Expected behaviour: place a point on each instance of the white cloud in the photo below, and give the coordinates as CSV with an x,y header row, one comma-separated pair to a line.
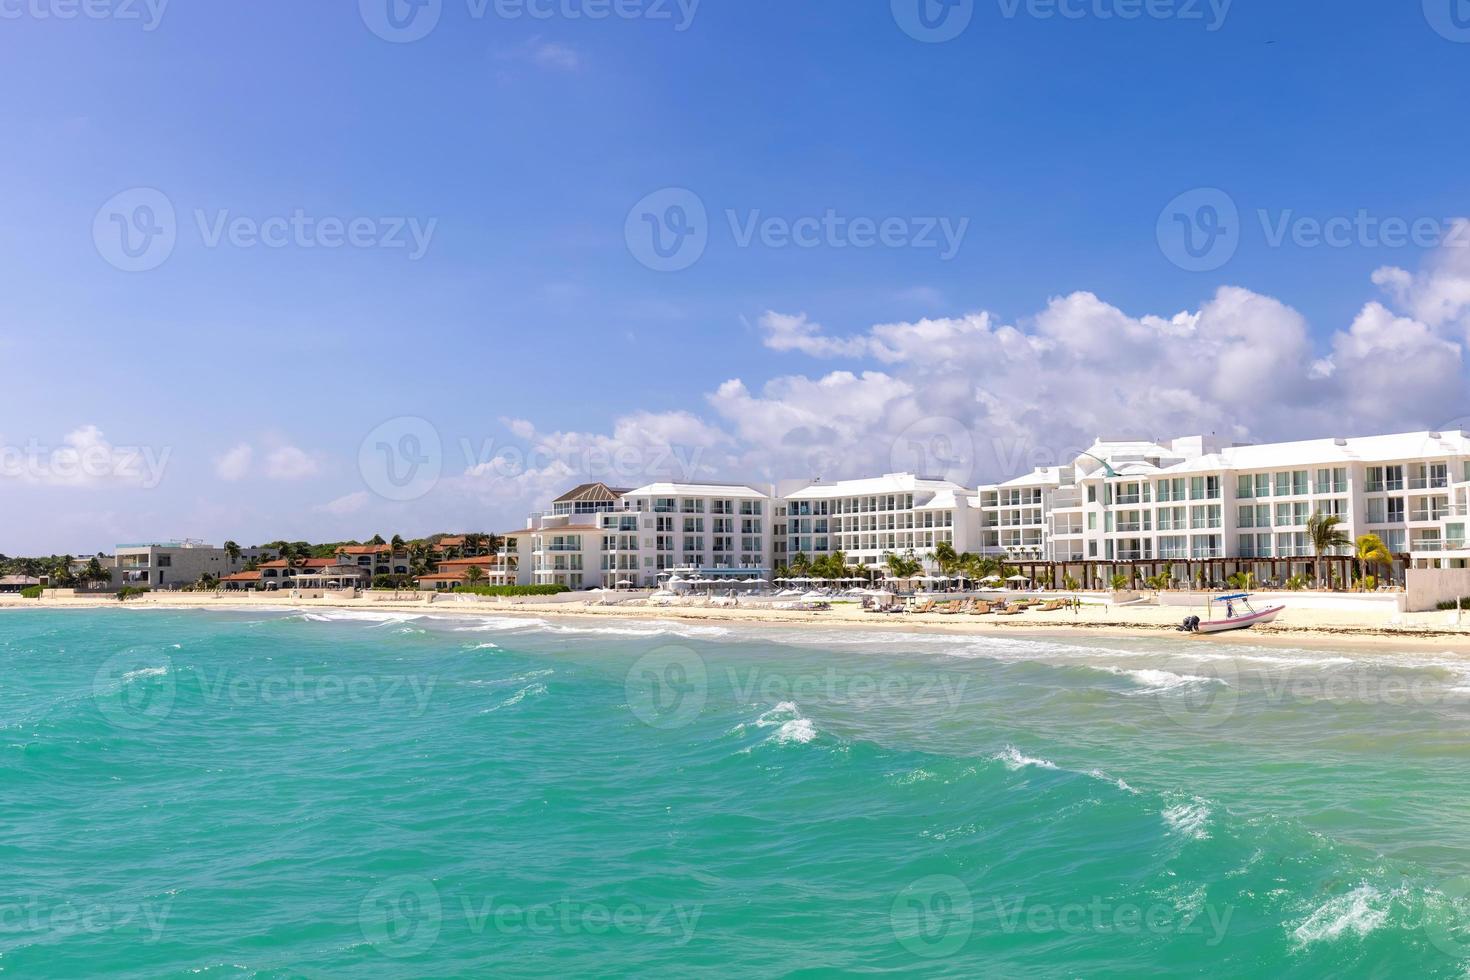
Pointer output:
x,y
548,54
289,463
348,504
235,463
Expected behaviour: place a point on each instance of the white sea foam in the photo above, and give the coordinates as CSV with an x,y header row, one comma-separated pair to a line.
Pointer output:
x,y
1190,819
1158,680
1359,912
531,690
501,624
133,675
486,646
799,730
1014,760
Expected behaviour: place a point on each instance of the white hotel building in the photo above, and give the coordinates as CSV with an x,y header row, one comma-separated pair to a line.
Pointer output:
x,y
1191,505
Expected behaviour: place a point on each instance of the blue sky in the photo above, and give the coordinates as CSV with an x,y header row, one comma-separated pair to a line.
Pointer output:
x,y
517,145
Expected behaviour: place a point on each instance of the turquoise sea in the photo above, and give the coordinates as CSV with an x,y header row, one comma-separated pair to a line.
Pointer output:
x,y
279,794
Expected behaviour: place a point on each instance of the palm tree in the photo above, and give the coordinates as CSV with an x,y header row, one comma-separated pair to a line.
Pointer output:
x,y
233,550
945,557
801,564
1326,537
903,566
397,543
1372,553
474,575
377,540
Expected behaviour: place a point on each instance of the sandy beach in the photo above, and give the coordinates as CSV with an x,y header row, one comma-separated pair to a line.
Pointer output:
x,y
1315,627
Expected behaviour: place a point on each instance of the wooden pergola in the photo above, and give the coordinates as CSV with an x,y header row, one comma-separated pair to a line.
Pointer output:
x,y
1098,573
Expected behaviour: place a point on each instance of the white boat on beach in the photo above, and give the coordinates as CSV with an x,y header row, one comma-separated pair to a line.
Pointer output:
x,y
1239,615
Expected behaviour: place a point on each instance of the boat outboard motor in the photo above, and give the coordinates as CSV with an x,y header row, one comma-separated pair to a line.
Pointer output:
x,y
1190,625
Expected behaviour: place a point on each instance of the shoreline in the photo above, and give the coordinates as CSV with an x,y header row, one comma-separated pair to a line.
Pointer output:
x,y
1313,628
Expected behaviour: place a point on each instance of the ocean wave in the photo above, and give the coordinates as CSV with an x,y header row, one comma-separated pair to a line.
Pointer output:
x,y
501,624
1014,760
639,628
142,672
1359,912
1152,679
531,690
1190,819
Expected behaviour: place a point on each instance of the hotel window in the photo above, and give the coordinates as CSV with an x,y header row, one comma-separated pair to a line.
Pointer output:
x,y
1394,477
1439,475
1196,488
1092,522
1246,517
1283,515
1263,484
1394,540
1375,479
1263,546
1300,513
1283,484
1245,487
1395,510
1299,486
1377,511
1336,507
1091,493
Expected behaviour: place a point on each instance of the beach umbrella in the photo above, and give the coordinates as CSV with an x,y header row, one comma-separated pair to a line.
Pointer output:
x,y
1018,578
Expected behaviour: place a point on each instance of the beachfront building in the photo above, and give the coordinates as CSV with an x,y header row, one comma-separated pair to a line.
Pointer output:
x,y
174,564
720,531
565,542
1197,508
869,518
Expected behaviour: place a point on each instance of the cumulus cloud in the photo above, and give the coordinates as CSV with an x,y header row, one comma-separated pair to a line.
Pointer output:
x,y
281,462
349,504
289,463
234,464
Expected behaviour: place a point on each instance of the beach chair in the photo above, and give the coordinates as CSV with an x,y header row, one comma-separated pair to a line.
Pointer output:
x,y
980,608
925,607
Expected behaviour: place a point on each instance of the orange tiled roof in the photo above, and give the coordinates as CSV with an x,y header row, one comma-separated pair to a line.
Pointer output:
x,y
241,577
363,549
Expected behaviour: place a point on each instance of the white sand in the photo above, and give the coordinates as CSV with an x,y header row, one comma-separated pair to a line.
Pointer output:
x,y
1295,627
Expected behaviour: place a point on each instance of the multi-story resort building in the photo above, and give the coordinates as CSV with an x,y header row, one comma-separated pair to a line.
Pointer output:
x,y
1195,507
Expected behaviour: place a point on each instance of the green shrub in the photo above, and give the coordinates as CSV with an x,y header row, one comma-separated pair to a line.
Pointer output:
x,y
511,590
32,591
1449,604
128,591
